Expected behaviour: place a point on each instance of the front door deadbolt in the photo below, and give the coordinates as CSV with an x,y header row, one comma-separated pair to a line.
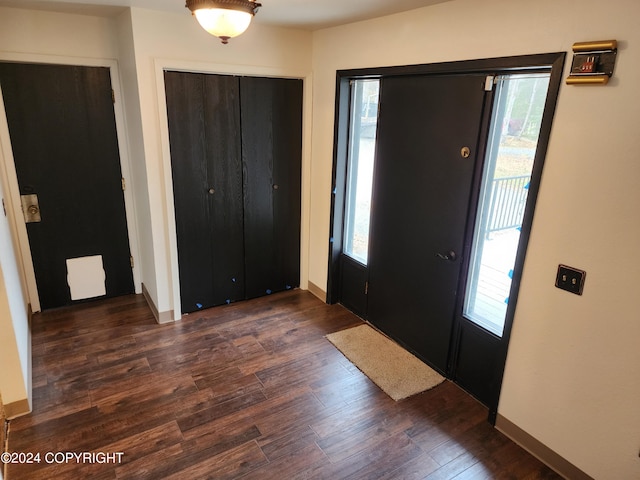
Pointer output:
x,y
465,152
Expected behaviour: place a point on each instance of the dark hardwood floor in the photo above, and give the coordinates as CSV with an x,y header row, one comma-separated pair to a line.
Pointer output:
x,y
248,390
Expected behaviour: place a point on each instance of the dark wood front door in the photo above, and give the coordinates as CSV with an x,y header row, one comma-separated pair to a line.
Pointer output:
x,y
65,146
422,189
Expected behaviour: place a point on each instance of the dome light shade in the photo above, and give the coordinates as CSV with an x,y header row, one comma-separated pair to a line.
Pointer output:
x,y
223,23
224,18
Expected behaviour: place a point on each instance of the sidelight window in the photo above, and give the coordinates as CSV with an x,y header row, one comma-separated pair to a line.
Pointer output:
x,y
362,140
513,139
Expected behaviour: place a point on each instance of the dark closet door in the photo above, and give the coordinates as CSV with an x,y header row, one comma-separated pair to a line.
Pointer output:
x,y
422,189
236,160
204,124
271,112
65,146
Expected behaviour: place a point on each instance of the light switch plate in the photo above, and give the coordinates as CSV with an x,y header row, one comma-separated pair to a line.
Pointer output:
x,y
570,279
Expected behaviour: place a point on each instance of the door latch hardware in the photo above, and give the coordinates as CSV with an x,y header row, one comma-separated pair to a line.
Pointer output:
x,y
450,255
30,208
465,152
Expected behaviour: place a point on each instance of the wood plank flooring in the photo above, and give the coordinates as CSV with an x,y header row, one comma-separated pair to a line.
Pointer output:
x,y
248,390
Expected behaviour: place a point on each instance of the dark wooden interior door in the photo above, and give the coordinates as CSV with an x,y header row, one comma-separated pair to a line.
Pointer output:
x,y
63,135
422,190
204,123
236,145
271,151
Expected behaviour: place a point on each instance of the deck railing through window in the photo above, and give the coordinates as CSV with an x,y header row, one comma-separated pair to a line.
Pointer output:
x,y
508,198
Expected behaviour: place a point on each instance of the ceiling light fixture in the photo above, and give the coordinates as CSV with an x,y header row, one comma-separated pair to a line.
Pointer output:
x,y
224,18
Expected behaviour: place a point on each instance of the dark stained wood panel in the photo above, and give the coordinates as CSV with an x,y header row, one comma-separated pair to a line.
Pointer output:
x,y
353,285
221,97
247,390
204,119
271,153
477,377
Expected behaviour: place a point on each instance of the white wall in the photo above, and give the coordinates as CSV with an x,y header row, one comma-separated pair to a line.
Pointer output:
x,y
573,372
144,261
15,340
25,32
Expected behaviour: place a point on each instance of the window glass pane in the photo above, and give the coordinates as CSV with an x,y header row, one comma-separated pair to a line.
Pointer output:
x,y
362,140
513,140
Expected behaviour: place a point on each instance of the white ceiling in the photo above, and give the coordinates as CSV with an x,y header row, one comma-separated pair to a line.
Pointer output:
x,y
305,14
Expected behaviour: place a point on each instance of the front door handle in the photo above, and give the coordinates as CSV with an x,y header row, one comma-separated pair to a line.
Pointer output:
x,y
450,255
